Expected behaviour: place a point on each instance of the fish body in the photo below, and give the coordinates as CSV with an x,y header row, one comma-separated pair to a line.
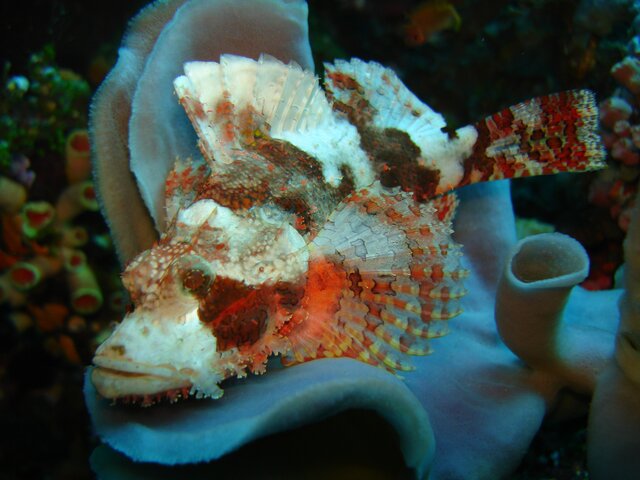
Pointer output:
x,y
428,19
316,224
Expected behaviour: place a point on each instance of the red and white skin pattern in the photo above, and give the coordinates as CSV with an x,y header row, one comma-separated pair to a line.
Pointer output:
x,y
317,224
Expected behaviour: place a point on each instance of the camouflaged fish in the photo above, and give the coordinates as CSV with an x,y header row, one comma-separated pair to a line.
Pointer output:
x,y
317,224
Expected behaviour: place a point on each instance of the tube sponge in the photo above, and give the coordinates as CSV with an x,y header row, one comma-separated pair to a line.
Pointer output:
x,y
614,421
628,339
533,292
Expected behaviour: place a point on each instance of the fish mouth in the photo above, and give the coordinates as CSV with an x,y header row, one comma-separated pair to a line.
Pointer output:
x,y
119,379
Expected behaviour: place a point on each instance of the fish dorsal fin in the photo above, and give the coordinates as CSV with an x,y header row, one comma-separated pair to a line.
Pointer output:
x,y
231,102
199,92
384,277
392,104
375,99
289,98
239,79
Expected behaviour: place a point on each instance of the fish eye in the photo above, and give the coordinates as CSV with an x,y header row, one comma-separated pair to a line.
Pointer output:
x,y
196,281
192,274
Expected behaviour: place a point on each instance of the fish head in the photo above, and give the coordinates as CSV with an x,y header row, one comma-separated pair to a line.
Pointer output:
x,y
205,305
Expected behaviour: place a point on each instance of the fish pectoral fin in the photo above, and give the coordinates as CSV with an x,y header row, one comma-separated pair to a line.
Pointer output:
x,y
385,277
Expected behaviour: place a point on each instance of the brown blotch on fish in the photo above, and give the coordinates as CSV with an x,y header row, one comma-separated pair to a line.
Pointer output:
x,y
288,295
275,171
395,157
354,282
358,110
118,349
345,82
478,161
237,313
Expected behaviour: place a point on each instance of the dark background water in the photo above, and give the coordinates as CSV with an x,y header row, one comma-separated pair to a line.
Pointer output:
x,y
79,29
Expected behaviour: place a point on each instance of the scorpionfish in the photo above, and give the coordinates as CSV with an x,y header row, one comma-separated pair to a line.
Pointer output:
x,y
316,224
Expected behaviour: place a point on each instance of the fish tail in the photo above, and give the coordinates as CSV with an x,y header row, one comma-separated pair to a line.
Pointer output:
x,y
544,135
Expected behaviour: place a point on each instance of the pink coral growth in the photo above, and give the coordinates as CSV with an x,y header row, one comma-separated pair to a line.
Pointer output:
x,y
616,188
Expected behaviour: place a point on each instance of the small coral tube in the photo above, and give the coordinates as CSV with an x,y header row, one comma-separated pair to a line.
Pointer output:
x,y
26,275
78,157
532,294
36,218
73,236
12,195
86,296
74,200
9,294
117,301
21,321
627,72
69,349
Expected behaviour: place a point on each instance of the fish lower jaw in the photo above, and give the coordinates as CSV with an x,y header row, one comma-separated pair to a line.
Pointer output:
x,y
137,387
